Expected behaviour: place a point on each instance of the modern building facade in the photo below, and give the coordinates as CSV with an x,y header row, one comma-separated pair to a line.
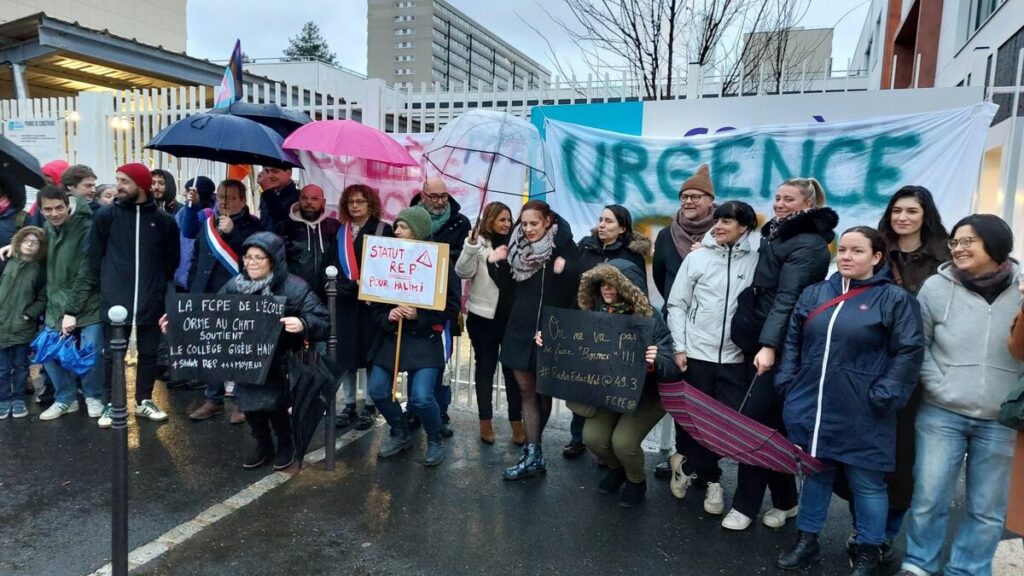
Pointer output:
x,y
936,43
415,41
156,22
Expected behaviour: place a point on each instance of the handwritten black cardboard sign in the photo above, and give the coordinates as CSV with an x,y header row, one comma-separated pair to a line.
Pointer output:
x,y
219,338
593,358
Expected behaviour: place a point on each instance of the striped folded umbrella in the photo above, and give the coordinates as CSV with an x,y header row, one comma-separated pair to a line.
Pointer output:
x,y
730,434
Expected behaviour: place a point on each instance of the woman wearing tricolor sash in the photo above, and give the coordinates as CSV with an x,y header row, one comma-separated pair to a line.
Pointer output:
x,y
360,213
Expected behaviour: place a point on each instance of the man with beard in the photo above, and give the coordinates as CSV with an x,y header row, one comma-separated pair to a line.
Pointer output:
x,y
165,191
134,249
447,226
311,239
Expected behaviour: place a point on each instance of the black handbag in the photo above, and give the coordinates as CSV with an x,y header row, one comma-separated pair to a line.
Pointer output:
x,y
745,329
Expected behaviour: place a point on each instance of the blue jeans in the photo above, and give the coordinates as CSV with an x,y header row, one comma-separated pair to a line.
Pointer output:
x,y
214,392
13,371
92,383
943,438
870,501
421,399
442,393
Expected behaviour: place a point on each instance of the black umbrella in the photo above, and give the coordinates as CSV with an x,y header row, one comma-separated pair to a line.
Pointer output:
x,y
17,164
313,385
284,121
224,138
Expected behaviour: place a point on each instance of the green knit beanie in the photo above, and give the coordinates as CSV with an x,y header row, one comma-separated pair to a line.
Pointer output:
x,y
418,220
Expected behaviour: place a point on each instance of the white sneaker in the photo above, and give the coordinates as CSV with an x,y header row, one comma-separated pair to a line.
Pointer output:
x,y
58,409
106,419
149,409
736,520
94,406
714,500
680,481
776,518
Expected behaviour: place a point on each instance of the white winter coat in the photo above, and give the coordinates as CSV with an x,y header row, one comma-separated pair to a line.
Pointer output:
x,y
472,265
703,299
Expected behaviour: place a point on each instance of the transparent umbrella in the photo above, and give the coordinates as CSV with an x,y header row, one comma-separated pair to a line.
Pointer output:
x,y
507,143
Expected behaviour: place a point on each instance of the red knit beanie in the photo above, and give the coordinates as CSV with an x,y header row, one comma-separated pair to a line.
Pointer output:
x,y
54,169
139,174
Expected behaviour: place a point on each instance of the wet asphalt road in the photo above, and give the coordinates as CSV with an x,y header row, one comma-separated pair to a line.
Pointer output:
x,y
368,517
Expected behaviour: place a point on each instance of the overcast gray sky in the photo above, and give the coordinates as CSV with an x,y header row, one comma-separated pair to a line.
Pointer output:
x,y
264,27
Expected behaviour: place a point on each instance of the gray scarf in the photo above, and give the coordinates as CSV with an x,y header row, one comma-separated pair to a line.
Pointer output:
x,y
246,286
527,257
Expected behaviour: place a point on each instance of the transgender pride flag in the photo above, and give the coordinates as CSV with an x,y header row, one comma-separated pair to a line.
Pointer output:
x,y
231,84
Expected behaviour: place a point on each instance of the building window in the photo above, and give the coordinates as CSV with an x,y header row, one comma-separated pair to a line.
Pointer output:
x,y
403,71
401,45
405,18
979,12
404,31
406,58
407,4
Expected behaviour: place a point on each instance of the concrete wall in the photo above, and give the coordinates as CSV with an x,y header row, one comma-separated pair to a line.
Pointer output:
x,y
154,22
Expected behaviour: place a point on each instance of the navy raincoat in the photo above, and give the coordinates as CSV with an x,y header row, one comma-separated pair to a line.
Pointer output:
x,y
846,372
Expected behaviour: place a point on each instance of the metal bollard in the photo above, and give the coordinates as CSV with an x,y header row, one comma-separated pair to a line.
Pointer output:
x,y
119,430
330,426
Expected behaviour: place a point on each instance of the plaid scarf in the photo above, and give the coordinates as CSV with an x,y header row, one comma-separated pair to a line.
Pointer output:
x,y
527,257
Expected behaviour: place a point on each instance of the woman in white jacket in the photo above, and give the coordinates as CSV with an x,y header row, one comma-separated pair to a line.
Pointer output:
x,y
489,307
700,310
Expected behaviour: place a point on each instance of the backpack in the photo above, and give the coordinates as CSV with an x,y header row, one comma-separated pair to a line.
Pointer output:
x,y
1011,411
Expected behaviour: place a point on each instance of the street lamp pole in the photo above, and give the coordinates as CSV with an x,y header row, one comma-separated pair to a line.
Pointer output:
x,y
119,430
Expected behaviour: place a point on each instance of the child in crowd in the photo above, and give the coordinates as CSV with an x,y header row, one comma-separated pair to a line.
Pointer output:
x,y
22,291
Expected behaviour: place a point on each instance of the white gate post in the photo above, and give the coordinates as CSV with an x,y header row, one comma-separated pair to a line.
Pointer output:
x,y
373,105
94,133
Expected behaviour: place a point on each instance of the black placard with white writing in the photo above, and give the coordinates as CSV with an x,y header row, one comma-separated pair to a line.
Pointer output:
x,y
594,358
217,338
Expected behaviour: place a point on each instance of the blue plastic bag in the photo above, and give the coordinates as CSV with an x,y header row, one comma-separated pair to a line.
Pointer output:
x,y
47,346
79,361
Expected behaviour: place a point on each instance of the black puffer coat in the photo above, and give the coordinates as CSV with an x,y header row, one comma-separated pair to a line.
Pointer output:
x,y
357,329
635,250
792,259
543,288
300,302
274,205
135,249
422,346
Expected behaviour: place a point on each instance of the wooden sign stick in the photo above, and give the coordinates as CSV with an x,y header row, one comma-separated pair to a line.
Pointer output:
x,y
398,351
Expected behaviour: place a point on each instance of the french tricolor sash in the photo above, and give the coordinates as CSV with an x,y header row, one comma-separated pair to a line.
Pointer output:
x,y
220,248
347,254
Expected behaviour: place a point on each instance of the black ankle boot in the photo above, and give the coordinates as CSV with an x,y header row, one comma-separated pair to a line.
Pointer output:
x,y
633,494
612,481
867,560
531,464
801,553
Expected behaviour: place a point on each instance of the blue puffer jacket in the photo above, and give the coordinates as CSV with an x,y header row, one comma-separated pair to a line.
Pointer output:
x,y
845,373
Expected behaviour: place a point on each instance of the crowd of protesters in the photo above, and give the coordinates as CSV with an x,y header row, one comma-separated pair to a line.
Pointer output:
x,y
891,371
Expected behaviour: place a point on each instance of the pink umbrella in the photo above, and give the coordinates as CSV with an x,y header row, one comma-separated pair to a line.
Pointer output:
x,y
349,138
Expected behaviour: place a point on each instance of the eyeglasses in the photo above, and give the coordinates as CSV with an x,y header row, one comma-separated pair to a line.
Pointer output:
x,y
437,197
964,242
31,242
253,258
356,202
691,197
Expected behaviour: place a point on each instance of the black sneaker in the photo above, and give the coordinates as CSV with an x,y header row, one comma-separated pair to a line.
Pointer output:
x,y
259,456
285,457
435,452
446,429
394,444
663,470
